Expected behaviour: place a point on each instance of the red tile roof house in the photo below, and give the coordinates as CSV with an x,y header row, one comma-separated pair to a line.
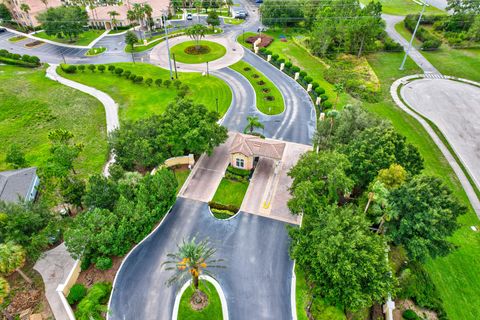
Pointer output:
x,y
99,15
245,148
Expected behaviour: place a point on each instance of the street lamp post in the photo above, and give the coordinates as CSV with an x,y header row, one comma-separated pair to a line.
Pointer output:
x,y
216,102
168,47
424,4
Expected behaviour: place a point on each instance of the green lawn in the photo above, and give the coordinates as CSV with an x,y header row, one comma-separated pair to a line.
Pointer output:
x,y
403,7
139,101
233,21
152,42
17,38
275,106
216,51
230,192
213,311
181,175
95,51
462,63
455,275
83,39
31,106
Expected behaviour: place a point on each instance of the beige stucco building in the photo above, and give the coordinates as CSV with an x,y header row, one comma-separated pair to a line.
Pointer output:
x,y
245,148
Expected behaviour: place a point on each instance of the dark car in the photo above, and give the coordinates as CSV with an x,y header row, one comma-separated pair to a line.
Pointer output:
x,y
3,30
189,16
258,1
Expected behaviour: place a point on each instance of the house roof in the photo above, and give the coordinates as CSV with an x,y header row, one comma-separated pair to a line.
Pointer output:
x,y
249,146
17,184
159,8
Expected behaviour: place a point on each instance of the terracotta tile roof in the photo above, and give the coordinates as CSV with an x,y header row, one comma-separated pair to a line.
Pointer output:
x,y
249,146
159,7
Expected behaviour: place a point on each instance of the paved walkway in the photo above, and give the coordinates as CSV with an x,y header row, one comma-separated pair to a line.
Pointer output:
x,y
159,54
54,267
475,202
416,56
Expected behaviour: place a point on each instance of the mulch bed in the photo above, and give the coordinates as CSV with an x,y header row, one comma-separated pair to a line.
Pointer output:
x,y
265,42
92,275
34,43
197,50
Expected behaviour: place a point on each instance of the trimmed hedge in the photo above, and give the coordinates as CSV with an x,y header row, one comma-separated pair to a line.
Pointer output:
x,y
19,60
238,172
219,206
77,293
103,263
91,306
222,214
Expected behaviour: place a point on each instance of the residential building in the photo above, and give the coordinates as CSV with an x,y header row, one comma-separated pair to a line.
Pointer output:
x,y
18,185
246,149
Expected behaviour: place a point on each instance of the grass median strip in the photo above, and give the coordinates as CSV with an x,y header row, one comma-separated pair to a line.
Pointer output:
x,y
269,99
83,39
138,100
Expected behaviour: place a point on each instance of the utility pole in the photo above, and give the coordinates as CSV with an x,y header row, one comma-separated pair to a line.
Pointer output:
x,y
424,5
168,47
175,65
63,57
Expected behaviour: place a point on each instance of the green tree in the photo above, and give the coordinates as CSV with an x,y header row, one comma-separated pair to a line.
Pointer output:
x,y
464,6
113,14
63,153
12,258
341,256
393,177
192,259
16,157
72,190
65,21
101,192
338,88
4,289
281,13
131,39
5,14
25,8
424,215
213,19
196,33
253,122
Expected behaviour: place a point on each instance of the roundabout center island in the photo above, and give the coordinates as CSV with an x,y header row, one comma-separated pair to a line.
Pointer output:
x,y
194,52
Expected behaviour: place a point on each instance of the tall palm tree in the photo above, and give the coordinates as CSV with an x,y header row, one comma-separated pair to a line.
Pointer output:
x,y
112,15
190,261
45,3
139,13
338,88
253,122
26,9
131,16
4,289
12,258
147,10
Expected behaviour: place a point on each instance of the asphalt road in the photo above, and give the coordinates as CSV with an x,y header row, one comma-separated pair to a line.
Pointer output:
x,y
455,108
256,280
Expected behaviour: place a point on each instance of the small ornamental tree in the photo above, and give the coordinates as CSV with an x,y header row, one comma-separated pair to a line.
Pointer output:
x,y
132,77
81,68
101,68
177,84
127,73
12,258
138,79
91,67
148,81
158,82
118,71
16,157
111,68
167,83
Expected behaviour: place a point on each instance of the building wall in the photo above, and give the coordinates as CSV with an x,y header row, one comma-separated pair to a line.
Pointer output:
x,y
248,160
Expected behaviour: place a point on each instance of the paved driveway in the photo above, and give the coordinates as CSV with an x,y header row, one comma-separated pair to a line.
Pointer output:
x,y
455,108
256,280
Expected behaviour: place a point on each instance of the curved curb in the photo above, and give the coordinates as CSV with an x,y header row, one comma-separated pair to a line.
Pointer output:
x,y
293,293
231,218
217,286
468,188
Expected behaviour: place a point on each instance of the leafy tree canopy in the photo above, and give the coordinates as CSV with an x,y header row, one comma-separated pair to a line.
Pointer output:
x,y
67,21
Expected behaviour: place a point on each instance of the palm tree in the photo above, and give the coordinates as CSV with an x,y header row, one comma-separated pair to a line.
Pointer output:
x,y
26,9
253,123
196,33
191,260
147,10
45,3
131,16
229,4
4,289
139,14
12,258
112,15
332,114
337,88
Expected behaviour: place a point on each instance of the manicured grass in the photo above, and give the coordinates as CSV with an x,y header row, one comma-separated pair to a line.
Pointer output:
x,y
17,38
403,7
32,105
181,175
112,31
244,36
455,275
213,311
152,42
83,39
275,106
230,192
462,63
233,21
139,101
95,51
181,55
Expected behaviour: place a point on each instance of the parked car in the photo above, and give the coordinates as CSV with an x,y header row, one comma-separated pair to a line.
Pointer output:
x,y
3,30
258,1
189,16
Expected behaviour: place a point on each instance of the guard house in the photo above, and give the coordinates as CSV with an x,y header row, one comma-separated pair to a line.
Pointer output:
x,y
246,149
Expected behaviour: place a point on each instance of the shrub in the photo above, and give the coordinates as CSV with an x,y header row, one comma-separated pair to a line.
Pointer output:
x,y
91,67
281,60
111,68
319,91
222,214
288,65
148,81
90,306
238,172
81,67
303,74
158,82
391,45
410,315
268,52
327,105
101,68
77,293
219,206
308,79
118,71
315,85
167,83
275,57
177,83
127,73
324,97
431,44
295,69
138,79
132,76
103,263
247,69
261,83
70,69
234,177
35,59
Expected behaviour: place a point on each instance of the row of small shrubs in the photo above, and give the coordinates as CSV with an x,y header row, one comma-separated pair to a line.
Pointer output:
x,y
219,206
430,42
127,74
239,172
18,59
304,79
234,177
222,214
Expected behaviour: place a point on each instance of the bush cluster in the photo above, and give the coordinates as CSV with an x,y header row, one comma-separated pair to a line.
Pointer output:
x,y
91,306
77,293
219,206
19,60
219,213
239,172
103,263
430,42
410,315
